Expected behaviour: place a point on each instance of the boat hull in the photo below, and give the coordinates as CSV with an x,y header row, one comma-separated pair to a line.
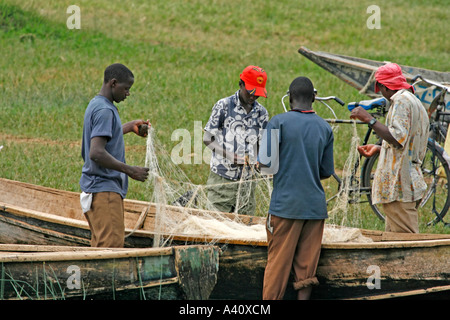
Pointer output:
x,y
406,262
377,270
383,270
55,272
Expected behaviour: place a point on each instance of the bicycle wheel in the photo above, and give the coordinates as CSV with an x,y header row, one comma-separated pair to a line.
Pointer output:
x,y
436,172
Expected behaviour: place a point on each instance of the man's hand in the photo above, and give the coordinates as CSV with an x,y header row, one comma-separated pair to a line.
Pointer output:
x,y
137,173
139,127
381,130
143,130
369,150
361,114
102,157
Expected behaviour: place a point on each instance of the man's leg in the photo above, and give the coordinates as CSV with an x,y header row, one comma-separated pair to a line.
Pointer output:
x,y
247,202
282,242
307,257
106,220
221,193
401,217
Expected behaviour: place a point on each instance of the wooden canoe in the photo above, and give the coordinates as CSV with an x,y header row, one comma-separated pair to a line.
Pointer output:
x,y
394,265
31,214
63,272
359,73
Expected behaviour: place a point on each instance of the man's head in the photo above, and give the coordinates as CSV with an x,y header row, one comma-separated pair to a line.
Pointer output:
x,y
253,84
390,79
301,93
119,80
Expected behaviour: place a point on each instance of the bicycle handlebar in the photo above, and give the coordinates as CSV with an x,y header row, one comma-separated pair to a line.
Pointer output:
x,y
331,98
321,99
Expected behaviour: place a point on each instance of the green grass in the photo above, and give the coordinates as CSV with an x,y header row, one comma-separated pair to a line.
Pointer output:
x,y
185,56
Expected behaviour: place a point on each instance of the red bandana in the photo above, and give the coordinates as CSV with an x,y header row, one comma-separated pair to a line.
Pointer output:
x,y
391,76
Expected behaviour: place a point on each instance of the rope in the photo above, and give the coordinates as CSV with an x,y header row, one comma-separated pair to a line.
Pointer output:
x,y
368,83
140,221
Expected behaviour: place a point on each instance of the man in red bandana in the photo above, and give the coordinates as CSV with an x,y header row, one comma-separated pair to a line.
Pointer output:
x,y
398,182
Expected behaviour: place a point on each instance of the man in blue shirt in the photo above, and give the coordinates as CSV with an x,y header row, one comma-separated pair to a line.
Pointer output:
x,y
233,132
104,177
297,148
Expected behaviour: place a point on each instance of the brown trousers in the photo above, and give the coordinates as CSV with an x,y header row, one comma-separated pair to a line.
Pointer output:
x,y
106,220
292,245
401,216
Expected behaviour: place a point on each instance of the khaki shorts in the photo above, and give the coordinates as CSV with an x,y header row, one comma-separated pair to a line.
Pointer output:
x,y
293,245
401,216
106,220
223,194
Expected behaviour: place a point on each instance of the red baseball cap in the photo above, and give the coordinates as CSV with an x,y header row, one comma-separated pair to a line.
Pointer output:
x,y
255,79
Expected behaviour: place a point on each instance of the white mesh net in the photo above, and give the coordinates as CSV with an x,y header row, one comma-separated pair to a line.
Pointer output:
x,y
169,187
346,209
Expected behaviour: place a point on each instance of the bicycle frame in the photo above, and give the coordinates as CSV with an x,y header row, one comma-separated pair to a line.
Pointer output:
x,y
438,133
378,112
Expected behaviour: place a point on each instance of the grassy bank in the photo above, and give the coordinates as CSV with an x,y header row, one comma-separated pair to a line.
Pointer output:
x,y
185,56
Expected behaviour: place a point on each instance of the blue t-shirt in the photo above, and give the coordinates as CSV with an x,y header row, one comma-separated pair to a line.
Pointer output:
x,y
298,148
101,119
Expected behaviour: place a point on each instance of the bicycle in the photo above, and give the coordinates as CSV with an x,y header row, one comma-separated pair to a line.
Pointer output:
x,y
435,166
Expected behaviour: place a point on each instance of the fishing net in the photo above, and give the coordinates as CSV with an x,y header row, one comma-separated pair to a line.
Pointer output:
x,y
195,215
183,208
345,210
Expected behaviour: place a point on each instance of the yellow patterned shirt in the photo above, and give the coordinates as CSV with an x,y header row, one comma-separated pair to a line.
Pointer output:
x,y
398,176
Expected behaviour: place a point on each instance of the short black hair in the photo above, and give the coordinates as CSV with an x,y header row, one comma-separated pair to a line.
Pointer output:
x,y
301,89
118,71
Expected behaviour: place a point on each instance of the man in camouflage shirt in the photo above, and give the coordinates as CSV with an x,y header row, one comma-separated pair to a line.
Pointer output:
x,y
232,133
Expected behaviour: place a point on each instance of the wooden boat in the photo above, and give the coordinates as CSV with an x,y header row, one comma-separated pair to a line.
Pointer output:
x,y
63,272
32,214
359,73
393,265
55,272
38,215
